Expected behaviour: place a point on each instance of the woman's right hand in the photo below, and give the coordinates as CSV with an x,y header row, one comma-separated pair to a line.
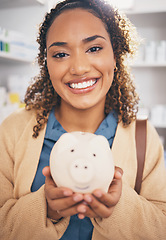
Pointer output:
x,y
61,202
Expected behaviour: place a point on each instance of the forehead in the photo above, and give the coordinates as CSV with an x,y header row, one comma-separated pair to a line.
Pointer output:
x,y
76,22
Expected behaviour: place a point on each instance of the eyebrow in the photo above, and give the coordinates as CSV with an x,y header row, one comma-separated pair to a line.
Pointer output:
x,y
92,38
86,40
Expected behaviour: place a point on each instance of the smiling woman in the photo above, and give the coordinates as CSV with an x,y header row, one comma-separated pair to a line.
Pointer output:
x,y
79,49
84,85
81,68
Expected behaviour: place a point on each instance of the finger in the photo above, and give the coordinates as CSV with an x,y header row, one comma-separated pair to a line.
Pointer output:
x,y
118,173
73,209
98,208
46,171
65,202
116,183
85,211
104,198
82,209
51,187
54,192
109,199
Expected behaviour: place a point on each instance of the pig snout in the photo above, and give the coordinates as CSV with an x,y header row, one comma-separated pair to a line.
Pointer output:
x,y
81,171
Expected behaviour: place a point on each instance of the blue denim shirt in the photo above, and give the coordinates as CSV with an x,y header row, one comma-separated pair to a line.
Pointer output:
x,y
77,229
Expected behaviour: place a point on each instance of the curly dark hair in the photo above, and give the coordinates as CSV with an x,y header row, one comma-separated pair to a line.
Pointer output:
x,y
122,96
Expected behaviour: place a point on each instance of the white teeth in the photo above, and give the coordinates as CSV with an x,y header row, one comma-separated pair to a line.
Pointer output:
x,y
82,84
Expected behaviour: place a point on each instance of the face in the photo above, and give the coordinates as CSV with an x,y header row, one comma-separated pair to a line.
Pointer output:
x,y
80,59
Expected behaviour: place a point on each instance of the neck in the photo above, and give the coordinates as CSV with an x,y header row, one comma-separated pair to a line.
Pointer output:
x,y
80,120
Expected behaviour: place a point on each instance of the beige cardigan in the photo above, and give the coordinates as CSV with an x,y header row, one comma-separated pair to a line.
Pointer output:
x,y
23,215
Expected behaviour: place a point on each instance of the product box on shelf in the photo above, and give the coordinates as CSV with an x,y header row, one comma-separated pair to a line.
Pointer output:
x,y
152,53
17,45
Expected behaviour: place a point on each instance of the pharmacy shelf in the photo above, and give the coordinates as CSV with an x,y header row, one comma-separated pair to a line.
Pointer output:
x,y
20,3
145,11
8,57
159,125
150,64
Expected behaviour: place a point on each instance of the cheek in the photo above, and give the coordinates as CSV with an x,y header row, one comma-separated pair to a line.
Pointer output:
x,y
107,63
53,70
109,66
108,72
56,73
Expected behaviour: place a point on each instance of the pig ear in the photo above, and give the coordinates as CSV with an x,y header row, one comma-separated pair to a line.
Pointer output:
x,y
66,141
101,141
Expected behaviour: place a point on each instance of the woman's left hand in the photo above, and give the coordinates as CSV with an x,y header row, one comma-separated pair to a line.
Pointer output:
x,y
99,203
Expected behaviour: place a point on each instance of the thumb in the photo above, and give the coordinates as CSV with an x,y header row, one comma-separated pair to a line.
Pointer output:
x,y
46,171
118,173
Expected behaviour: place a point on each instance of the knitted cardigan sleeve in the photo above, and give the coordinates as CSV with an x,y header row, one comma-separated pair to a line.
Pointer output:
x,y
25,217
140,216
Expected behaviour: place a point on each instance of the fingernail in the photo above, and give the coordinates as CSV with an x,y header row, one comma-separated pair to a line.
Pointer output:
x,y
87,198
77,198
118,174
98,194
81,209
67,193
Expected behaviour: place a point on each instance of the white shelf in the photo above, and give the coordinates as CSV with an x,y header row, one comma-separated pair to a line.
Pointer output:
x,y
20,3
159,125
8,57
145,11
146,64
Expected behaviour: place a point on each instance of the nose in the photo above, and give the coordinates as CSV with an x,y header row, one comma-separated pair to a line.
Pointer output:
x,y
81,171
80,64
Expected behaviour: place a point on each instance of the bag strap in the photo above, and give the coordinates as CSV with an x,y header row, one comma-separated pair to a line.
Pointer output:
x,y
140,137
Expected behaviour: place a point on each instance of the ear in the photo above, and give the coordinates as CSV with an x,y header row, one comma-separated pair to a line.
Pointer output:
x,y
101,141
114,62
66,141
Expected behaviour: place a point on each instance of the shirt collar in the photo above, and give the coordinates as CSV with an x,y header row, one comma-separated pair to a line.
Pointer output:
x,y
107,128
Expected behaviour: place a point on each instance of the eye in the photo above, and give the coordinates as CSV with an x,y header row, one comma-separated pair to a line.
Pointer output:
x,y
94,49
94,154
61,55
72,150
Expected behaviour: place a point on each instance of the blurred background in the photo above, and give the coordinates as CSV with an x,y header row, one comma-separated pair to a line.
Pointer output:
x,y
19,21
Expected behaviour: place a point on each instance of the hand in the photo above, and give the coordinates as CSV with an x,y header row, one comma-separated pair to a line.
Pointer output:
x,y
61,201
99,203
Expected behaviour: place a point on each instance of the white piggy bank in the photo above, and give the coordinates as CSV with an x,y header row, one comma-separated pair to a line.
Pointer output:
x,y
82,162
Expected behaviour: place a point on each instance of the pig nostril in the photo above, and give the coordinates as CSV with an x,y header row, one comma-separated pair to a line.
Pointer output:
x,y
76,166
86,167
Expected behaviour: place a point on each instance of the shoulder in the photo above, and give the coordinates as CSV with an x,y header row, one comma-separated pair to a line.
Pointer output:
x,y
19,117
124,132
154,145
18,122
128,133
151,131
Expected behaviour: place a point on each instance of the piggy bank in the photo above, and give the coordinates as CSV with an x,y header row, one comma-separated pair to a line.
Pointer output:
x,y
82,162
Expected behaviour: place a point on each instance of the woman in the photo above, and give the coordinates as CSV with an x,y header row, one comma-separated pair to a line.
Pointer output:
x,y
83,85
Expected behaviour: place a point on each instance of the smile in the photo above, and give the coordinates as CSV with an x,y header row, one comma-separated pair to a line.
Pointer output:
x,y
82,85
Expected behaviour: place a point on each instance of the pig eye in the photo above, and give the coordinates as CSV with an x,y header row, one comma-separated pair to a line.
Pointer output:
x,y
94,154
72,150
